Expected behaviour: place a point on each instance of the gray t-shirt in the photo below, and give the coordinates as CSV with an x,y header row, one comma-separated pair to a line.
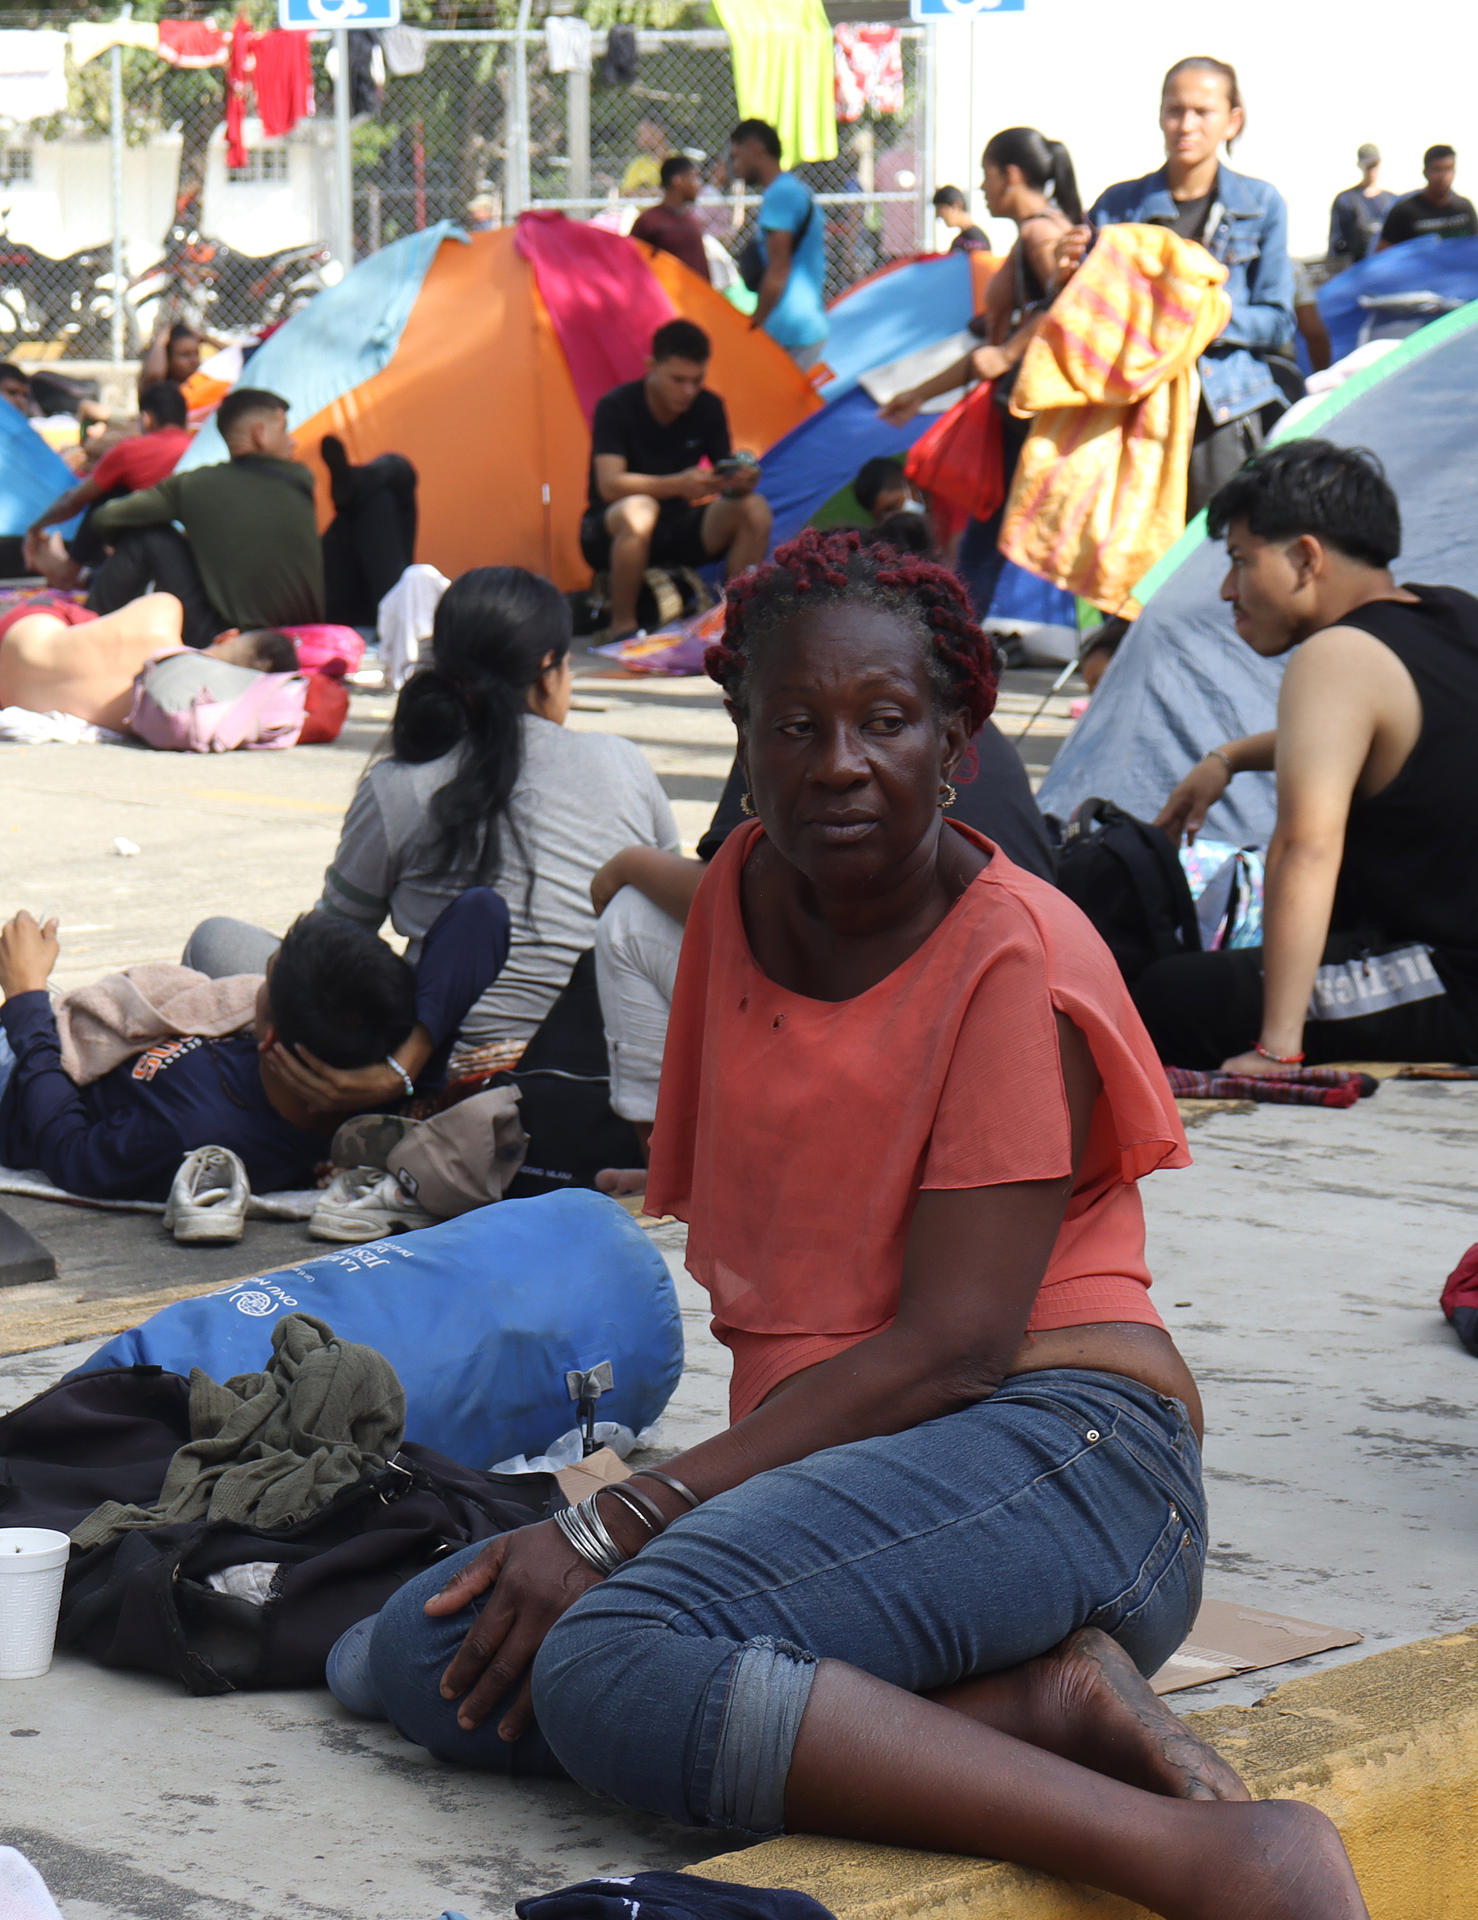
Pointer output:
x,y
580,798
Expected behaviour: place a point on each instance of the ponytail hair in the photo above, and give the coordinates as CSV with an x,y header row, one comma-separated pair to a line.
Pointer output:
x,y
1223,70
1045,164
495,628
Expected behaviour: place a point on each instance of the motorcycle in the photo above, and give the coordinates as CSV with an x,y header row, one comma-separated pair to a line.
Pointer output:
x,y
224,290
46,299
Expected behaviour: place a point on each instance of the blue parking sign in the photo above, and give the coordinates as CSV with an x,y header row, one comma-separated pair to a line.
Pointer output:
x,y
338,13
962,9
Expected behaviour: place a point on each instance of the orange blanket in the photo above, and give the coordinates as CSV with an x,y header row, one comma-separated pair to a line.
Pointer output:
x,y
1110,383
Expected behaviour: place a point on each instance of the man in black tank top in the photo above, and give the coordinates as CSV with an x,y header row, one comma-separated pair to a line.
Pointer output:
x,y
1370,918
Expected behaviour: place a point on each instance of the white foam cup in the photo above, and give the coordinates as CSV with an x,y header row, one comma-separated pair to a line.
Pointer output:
x,y
33,1565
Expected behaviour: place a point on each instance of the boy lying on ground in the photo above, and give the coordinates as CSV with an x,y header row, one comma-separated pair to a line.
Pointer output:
x,y
64,659
331,988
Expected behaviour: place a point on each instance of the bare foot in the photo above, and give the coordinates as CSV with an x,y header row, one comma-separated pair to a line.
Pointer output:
x,y
617,1181
1281,1861
45,554
1087,1702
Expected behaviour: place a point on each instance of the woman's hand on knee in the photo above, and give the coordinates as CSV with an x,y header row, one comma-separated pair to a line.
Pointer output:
x,y
535,1576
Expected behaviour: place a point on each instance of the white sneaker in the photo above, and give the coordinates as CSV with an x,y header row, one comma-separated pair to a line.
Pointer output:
x,y
364,1203
207,1201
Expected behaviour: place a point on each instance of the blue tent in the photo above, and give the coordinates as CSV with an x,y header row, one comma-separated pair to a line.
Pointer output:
x,y
1183,681
31,475
1445,268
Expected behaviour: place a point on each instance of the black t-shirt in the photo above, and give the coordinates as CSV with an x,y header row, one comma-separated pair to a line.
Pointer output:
x,y
1190,216
624,424
1415,217
969,240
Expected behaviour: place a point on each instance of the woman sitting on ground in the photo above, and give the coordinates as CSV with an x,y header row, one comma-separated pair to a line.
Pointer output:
x,y
905,1107
484,785
643,896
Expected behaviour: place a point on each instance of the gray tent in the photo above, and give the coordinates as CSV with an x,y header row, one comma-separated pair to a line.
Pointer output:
x,y
1183,681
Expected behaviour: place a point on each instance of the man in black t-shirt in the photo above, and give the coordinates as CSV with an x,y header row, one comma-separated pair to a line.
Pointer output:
x,y
952,210
1435,210
665,486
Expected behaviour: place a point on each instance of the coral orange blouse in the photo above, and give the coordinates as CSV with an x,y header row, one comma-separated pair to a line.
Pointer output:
x,y
794,1135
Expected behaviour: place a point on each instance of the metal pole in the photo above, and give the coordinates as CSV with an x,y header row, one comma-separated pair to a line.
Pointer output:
x,y
343,156
929,81
115,88
517,184
577,135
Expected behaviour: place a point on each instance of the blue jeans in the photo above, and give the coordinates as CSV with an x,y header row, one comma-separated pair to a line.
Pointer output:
x,y
964,1546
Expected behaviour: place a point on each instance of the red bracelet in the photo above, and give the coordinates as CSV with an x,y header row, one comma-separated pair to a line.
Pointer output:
x,y
1279,1059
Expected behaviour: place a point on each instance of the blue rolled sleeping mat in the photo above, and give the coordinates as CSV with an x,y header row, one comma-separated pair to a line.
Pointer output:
x,y
481,1317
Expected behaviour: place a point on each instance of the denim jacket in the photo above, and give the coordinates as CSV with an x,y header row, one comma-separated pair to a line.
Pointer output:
x,y
1250,239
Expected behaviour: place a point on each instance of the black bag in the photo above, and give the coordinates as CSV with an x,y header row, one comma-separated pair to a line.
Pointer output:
x,y
564,1079
1125,875
751,262
143,1601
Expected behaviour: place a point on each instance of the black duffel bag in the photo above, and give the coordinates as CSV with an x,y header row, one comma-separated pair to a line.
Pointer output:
x,y
143,1600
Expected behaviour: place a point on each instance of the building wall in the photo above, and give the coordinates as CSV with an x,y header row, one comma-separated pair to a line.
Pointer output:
x,y
67,202
1317,80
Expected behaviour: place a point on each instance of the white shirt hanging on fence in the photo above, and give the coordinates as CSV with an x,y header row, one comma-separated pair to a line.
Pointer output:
x,y
33,73
567,43
89,38
404,49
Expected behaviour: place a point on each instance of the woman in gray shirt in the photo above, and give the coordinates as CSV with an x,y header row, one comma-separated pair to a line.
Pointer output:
x,y
485,786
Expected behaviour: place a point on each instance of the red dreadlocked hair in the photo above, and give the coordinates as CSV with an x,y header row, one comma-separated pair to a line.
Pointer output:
x,y
817,567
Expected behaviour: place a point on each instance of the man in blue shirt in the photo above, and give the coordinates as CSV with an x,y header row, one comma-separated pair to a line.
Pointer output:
x,y
332,989
792,291
1359,213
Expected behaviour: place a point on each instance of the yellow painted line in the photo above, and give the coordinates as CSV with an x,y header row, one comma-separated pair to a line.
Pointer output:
x,y
267,800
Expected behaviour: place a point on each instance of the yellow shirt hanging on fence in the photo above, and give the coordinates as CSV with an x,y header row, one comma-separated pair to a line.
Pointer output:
x,y
1110,383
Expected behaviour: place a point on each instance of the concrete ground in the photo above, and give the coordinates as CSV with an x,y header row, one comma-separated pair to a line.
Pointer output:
x,y
1298,1261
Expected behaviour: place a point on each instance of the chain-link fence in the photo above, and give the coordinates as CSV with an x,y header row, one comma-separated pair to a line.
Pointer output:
x,y
119,210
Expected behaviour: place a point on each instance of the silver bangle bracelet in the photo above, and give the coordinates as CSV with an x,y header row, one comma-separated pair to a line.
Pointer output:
x,y
405,1079
1215,753
587,1533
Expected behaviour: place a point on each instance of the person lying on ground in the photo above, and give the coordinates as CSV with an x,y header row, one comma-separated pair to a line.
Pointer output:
x,y
643,896
665,488
910,1594
671,226
483,784
130,466
65,659
1377,789
331,988
249,555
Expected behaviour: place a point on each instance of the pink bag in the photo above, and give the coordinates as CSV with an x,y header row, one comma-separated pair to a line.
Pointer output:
x,y
194,703
323,648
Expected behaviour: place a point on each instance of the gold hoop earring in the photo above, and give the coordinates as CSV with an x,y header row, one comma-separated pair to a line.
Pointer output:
x,y
947,795
746,806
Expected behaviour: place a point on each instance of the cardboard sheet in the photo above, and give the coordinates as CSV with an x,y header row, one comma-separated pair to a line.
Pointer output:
x,y
1228,1639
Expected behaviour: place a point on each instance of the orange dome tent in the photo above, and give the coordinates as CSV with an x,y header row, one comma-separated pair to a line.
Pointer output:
x,y
486,384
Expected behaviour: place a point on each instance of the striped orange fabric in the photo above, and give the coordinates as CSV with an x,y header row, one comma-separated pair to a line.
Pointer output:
x,y
1110,383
